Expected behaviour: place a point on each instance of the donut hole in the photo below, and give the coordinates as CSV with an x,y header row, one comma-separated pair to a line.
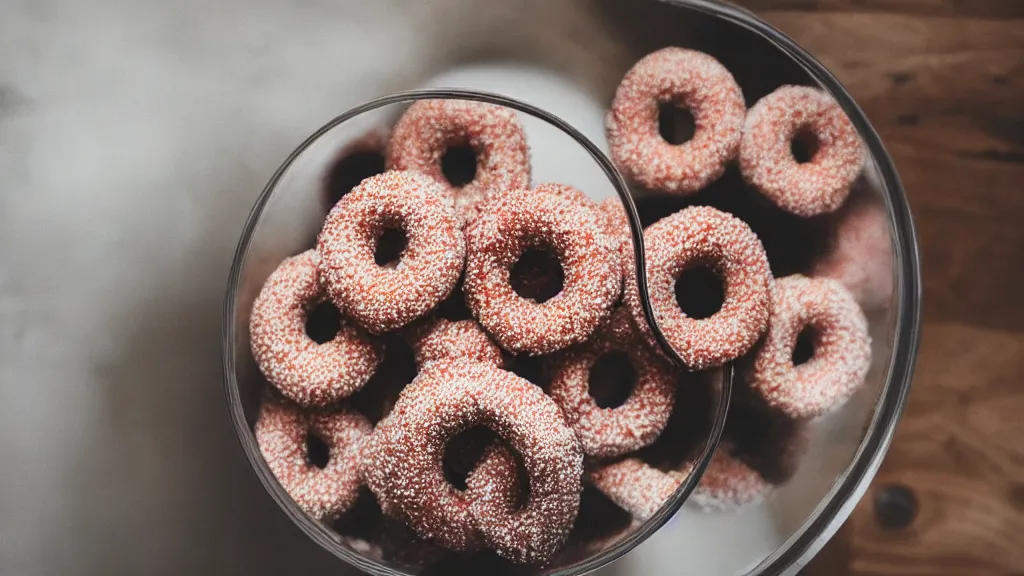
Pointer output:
x,y
458,164
803,351
391,244
537,275
323,322
349,170
804,146
676,124
462,453
317,452
699,292
611,379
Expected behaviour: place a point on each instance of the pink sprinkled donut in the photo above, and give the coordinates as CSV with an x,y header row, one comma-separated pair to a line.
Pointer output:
x,y
842,348
509,225
429,127
608,432
403,462
767,162
688,79
439,340
727,483
310,374
384,298
860,253
634,486
704,236
323,493
642,489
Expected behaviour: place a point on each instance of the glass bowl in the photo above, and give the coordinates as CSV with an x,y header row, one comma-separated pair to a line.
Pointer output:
x,y
285,221
567,58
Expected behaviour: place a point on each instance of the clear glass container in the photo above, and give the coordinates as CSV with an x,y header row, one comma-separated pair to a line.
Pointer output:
x,y
285,222
536,53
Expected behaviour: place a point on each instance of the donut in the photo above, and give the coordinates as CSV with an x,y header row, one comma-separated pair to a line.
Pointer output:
x,y
616,226
842,348
635,486
860,253
608,432
439,340
382,298
766,158
704,236
323,493
505,228
403,462
642,489
727,483
430,127
685,78
308,373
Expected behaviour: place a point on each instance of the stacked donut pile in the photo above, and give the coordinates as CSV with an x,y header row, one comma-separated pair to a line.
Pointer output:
x,y
523,483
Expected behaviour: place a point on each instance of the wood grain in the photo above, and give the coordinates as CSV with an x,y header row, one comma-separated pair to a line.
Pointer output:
x,y
943,83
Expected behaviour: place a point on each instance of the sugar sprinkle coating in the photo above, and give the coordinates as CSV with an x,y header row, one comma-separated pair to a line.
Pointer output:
x,y
685,78
609,432
281,433
767,162
616,226
704,236
417,422
384,298
438,340
842,348
860,254
727,483
502,232
642,489
308,373
635,486
403,462
430,127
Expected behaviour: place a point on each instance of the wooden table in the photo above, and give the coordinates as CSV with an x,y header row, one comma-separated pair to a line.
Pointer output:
x,y
943,82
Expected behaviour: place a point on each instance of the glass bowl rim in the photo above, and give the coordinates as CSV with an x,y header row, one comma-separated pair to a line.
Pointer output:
x,y
315,530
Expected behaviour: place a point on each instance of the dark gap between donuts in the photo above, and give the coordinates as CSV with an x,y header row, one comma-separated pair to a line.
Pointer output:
x,y
688,426
391,243
463,452
458,164
612,379
792,242
364,520
477,562
537,275
317,452
323,322
699,292
676,124
348,171
804,146
396,370
532,368
804,349
763,437
454,308
598,518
